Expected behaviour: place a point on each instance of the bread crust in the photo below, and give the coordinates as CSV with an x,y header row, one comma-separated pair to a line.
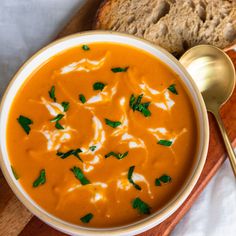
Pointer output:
x,y
174,25
104,5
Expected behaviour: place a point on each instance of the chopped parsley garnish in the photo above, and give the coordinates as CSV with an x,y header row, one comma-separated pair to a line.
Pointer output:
x,y
173,89
119,156
14,173
79,175
132,101
52,93
57,119
157,182
142,207
98,86
130,173
25,123
86,218
92,148
59,126
113,124
85,47
162,179
136,105
166,143
82,98
74,152
65,105
119,69
41,179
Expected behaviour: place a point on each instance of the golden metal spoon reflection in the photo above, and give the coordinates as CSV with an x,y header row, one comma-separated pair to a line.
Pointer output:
x,y
214,74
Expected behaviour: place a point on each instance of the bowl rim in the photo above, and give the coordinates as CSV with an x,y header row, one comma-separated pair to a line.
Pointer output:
x,y
146,223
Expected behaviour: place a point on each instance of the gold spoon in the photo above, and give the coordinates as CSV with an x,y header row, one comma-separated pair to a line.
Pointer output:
x,y
214,74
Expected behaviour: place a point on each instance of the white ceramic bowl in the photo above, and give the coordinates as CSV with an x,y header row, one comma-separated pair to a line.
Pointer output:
x,y
87,38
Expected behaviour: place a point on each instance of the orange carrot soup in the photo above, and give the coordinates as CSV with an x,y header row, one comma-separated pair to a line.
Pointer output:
x,y
102,135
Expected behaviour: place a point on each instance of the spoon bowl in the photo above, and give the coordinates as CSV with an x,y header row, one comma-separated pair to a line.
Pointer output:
x,y
214,73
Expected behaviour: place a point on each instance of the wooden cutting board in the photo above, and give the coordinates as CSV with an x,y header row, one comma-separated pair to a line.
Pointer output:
x,y
15,219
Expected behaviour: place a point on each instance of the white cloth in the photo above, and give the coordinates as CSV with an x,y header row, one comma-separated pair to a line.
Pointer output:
x,y
26,26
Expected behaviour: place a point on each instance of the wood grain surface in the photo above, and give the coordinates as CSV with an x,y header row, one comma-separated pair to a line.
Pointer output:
x,y
15,219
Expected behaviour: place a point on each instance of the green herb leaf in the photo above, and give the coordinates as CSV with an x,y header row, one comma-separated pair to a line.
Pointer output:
x,y
157,182
136,105
41,179
98,86
65,105
166,143
92,148
82,98
85,47
86,218
119,69
14,173
57,119
130,173
79,175
74,152
58,125
162,179
143,108
132,101
165,179
113,124
25,123
173,89
138,101
52,93
142,207
119,156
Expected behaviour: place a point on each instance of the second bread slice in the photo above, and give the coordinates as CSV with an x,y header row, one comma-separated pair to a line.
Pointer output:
x,y
176,25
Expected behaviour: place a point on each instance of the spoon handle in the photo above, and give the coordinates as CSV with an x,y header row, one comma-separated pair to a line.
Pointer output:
x,y
229,148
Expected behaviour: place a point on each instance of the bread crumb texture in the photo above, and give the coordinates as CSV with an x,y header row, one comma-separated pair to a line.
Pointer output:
x,y
175,25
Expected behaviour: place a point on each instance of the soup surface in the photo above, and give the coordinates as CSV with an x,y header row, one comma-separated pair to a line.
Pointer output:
x,y
102,135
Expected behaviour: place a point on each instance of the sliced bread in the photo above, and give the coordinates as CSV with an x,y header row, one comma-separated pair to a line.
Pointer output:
x,y
176,25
